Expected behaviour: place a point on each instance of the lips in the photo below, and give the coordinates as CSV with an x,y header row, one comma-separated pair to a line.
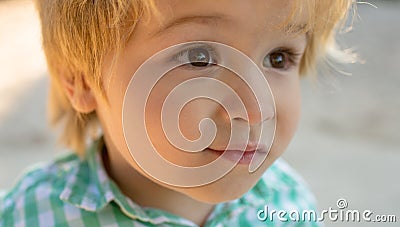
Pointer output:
x,y
243,155
239,147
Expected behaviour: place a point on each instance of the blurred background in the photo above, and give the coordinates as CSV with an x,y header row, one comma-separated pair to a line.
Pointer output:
x,y
347,145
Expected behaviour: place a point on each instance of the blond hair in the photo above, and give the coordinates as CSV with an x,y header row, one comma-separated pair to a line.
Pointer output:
x,y
77,35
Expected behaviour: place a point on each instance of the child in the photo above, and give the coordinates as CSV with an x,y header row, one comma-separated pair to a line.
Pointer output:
x,y
94,48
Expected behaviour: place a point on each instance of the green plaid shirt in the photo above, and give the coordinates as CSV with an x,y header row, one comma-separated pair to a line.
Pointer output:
x,y
75,192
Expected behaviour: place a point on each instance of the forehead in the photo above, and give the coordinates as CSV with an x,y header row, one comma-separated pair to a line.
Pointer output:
x,y
263,14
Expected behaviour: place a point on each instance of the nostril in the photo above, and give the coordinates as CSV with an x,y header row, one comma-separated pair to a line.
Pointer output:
x,y
257,116
268,114
247,107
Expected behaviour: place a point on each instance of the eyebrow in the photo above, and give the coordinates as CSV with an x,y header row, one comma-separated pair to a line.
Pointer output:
x,y
294,29
214,21
207,20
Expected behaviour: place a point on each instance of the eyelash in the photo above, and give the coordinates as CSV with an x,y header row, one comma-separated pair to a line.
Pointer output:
x,y
293,58
187,64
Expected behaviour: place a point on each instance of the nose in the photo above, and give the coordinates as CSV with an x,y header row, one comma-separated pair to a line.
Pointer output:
x,y
250,85
249,107
251,99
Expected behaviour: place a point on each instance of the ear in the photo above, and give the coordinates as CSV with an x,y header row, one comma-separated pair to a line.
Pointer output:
x,y
79,94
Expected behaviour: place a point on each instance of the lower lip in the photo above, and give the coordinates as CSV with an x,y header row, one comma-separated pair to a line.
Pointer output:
x,y
234,155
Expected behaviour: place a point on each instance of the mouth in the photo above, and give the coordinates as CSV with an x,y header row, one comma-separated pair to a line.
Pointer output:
x,y
244,156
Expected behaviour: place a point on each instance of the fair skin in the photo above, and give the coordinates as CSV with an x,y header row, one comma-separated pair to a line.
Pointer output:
x,y
250,28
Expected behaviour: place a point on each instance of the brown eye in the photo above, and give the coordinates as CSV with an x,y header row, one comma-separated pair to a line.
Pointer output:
x,y
199,57
277,60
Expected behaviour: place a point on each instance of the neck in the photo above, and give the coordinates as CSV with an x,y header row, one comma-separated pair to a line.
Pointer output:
x,y
147,193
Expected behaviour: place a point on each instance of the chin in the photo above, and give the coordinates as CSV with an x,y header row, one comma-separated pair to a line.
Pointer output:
x,y
220,191
215,197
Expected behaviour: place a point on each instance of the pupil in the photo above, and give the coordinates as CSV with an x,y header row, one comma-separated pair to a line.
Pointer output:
x,y
277,60
199,57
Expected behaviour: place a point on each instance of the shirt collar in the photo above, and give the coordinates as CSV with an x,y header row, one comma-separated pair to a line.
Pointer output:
x,y
88,187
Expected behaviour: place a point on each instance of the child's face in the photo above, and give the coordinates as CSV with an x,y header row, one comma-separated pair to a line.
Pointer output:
x,y
252,28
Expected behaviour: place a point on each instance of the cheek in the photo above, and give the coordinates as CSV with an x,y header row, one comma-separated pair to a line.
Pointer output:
x,y
288,106
110,111
110,116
